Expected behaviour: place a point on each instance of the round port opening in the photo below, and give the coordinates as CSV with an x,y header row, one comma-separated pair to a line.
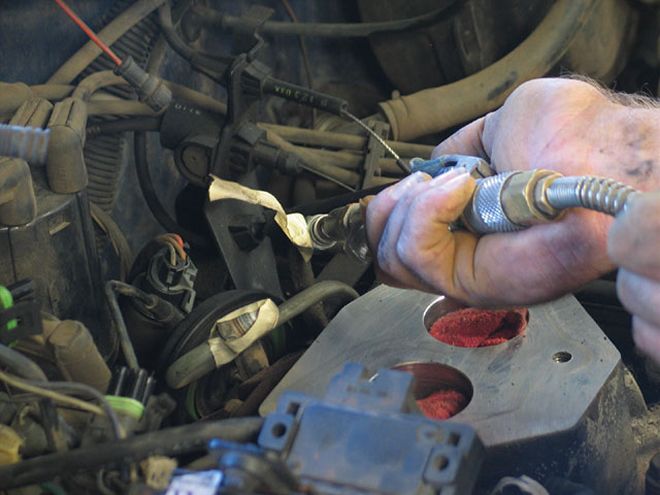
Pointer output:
x,y
562,357
454,324
439,390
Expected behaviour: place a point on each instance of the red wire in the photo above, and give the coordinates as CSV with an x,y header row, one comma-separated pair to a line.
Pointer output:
x,y
92,35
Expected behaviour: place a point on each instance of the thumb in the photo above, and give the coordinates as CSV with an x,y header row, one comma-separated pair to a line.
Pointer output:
x,y
466,141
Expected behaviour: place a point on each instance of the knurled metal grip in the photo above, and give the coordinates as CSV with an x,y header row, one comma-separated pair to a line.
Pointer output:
x,y
484,213
511,201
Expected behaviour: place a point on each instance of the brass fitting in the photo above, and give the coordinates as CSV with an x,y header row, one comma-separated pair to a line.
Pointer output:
x,y
510,201
524,200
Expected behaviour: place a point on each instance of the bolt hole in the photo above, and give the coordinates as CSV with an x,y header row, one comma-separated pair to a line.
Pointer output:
x,y
453,439
278,430
441,463
293,408
562,357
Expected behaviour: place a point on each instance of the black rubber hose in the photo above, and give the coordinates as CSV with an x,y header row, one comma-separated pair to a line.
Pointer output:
x,y
111,287
337,201
194,329
313,294
151,196
169,442
20,365
117,238
209,17
123,125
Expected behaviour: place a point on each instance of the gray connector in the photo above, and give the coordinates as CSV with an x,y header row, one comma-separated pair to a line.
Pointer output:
x,y
476,167
65,165
18,205
150,89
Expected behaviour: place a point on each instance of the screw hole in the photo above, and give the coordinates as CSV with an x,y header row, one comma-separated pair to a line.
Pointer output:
x,y
293,408
562,357
278,430
441,463
453,439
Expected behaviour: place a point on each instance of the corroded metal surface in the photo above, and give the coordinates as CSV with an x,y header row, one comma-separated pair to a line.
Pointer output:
x,y
549,401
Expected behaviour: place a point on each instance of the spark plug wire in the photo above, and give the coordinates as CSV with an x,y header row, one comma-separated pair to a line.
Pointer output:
x,y
88,31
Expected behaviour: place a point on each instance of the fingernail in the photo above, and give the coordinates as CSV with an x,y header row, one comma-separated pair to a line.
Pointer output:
x,y
417,177
448,176
459,179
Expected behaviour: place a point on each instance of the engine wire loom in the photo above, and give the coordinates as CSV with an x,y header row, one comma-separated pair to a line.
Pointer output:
x,y
338,442
121,372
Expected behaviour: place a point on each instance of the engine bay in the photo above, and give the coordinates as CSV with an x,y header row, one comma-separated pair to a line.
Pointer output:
x,y
175,317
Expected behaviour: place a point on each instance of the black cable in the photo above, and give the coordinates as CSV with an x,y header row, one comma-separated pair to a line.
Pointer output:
x,y
124,339
117,238
151,196
328,204
20,365
212,18
168,442
123,125
304,96
82,390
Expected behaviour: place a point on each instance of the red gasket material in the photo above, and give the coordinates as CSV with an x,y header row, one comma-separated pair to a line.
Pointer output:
x,y
472,327
442,404
469,328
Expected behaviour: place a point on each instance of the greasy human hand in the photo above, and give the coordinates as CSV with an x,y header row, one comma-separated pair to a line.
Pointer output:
x,y
558,124
633,245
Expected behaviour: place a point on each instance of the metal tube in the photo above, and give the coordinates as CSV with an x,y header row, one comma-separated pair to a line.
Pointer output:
x,y
595,193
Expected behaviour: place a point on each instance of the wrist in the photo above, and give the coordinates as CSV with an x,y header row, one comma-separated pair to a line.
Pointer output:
x,y
630,150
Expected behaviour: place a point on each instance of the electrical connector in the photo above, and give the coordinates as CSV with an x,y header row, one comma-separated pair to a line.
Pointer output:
x,y
172,282
150,89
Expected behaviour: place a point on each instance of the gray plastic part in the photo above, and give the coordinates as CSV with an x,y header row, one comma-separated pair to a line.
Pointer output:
x,y
65,164
12,96
150,89
18,205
